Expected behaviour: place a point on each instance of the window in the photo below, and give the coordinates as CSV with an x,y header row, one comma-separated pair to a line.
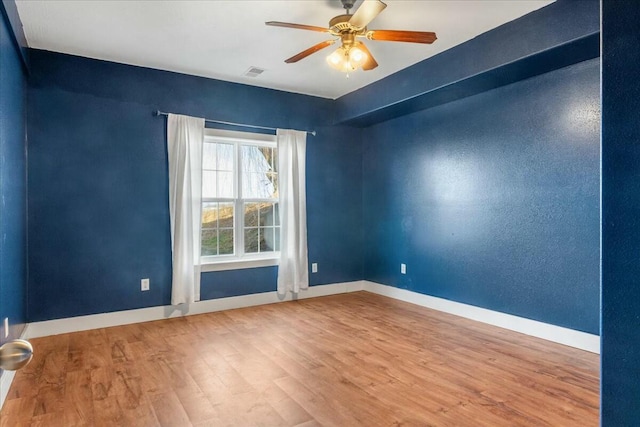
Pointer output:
x,y
240,221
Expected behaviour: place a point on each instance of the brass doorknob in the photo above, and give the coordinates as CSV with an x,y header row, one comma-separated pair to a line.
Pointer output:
x,y
15,354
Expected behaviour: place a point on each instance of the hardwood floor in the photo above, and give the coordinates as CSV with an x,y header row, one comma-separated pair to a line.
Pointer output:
x,y
345,360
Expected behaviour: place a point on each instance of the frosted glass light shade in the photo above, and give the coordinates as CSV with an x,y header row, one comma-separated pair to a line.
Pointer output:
x,y
347,60
357,57
336,59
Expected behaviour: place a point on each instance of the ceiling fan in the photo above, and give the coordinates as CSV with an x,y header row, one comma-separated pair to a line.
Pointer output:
x,y
352,53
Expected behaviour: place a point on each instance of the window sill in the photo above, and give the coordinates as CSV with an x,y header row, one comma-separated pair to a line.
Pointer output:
x,y
238,264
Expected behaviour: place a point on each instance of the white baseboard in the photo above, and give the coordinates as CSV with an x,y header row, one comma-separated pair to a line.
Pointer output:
x,y
105,320
558,334
5,384
566,336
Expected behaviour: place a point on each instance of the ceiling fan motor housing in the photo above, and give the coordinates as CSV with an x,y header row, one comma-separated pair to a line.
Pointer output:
x,y
340,25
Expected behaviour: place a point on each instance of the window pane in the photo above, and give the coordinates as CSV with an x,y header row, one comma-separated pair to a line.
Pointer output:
x,y
225,240
257,186
209,215
209,156
251,214
255,159
225,215
277,239
209,183
256,182
225,157
266,214
217,174
225,184
251,240
267,242
217,229
209,242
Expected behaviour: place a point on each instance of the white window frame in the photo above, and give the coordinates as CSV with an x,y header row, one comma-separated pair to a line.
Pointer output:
x,y
239,260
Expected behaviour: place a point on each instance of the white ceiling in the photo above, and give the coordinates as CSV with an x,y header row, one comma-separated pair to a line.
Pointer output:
x,y
223,39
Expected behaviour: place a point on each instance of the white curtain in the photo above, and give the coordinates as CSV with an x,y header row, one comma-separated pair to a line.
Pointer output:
x,y
185,137
293,273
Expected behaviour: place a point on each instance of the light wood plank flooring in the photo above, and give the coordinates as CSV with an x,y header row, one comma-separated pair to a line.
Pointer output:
x,y
355,359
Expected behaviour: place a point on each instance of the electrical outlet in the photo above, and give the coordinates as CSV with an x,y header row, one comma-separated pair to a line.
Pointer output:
x,y
144,284
314,267
403,268
6,327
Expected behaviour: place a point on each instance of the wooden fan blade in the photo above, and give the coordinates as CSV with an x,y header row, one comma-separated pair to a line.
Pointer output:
x,y
297,26
312,49
402,36
371,62
366,13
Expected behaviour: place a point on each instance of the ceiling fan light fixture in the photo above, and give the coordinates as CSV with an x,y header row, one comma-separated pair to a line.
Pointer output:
x,y
357,56
347,59
346,28
336,59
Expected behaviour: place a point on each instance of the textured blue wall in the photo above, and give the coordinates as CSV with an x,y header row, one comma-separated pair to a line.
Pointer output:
x,y
13,190
98,191
493,200
620,354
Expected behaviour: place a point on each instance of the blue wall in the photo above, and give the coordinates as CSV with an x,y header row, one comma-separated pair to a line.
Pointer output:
x,y
620,354
13,190
493,200
98,191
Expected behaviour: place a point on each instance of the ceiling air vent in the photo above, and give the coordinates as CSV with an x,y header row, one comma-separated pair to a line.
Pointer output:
x,y
254,72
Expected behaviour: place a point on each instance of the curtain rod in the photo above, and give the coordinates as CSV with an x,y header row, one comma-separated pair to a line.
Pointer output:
x,y
162,113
